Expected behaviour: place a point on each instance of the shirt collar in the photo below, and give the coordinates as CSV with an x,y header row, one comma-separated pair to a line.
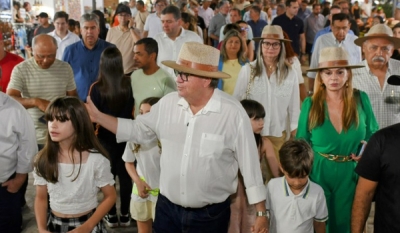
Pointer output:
x,y
183,33
213,104
95,46
288,192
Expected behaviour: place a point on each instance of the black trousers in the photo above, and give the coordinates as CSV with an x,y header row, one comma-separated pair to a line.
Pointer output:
x,y
10,210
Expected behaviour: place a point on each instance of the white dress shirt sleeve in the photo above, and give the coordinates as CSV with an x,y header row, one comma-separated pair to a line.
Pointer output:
x,y
242,81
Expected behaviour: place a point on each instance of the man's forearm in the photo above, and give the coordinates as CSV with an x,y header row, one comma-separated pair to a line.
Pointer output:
x,y
214,37
108,122
360,211
26,102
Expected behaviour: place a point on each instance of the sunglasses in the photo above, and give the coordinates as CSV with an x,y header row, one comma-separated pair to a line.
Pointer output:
x,y
245,29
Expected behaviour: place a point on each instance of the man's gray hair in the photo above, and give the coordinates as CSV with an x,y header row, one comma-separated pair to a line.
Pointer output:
x,y
41,35
89,17
222,3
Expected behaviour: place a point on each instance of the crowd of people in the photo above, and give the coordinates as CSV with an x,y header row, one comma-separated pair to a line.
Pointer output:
x,y
204,116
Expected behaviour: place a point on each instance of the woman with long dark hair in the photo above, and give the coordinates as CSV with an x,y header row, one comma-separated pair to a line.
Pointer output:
x,y
112,93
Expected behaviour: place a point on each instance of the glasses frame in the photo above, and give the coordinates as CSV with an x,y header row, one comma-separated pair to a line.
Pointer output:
x,y
274,46
181,74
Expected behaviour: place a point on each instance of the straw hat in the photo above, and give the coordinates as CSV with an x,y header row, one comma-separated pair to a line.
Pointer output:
x,y
379,31
198,59
246,4
334,57
271,32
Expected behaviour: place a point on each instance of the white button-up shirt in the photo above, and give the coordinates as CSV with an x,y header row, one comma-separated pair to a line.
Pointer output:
x,y
169,49
153,25
385,102
17,138
207,15
69,39
278,99
201,152
329,40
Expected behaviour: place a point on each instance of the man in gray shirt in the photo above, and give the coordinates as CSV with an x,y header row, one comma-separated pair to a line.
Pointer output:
x,y
312,24
217,22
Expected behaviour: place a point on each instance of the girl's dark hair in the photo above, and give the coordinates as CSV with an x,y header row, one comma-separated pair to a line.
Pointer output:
x,y
114,86
67,109
254,110
151,101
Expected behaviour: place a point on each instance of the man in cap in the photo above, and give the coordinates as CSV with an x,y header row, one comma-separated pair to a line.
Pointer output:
x,y
378,46
45,27
124,36
201,130
84,55
174,36
339,37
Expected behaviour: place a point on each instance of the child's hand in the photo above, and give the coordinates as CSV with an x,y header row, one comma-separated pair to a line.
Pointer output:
x,y
143,188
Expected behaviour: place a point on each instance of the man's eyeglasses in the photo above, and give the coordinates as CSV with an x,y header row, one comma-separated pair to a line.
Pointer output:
x,y
184,76
268,45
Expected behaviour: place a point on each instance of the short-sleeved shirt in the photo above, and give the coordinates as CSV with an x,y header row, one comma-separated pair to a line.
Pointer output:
x,y
156,85
49,84
85,64
206,14
69,39
79,196
153,25
295,213
125,43
140,20
381,163
216,24
7,64
293,27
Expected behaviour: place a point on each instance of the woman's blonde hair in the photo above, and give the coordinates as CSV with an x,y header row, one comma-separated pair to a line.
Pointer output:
x,y
240,55
349,114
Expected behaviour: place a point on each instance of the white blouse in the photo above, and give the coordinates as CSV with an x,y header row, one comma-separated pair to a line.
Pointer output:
x,y
79,196
148,166
279,100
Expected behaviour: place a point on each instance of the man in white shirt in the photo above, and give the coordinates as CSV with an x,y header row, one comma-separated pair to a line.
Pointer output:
x,y
206,136
132,6
153,25
206,12
234,16
366,8
61,33
174,36
339,37
17,149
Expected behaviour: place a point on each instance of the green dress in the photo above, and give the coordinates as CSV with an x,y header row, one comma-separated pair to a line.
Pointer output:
x,y
338,179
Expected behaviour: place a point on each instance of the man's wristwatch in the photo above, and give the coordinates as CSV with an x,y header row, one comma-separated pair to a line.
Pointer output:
x,y
262,213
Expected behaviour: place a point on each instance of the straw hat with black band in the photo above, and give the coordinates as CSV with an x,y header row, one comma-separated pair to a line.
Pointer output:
x,y
198,59
379,31
273,32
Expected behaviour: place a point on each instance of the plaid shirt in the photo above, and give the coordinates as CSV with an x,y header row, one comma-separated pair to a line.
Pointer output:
x,y
385,102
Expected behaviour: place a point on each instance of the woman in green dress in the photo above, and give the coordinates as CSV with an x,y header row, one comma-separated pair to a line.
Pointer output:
x,y
336,121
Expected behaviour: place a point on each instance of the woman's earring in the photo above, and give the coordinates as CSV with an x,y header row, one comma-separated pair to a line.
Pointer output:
x,y
347,84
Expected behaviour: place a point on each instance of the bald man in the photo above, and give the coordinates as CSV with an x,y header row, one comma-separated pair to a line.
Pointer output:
x,y
39,80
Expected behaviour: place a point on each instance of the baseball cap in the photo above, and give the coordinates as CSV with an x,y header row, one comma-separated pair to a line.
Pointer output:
x,y
43,15
123,9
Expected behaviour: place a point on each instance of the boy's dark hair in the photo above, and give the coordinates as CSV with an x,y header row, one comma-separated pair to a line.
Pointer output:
x,y
340,17
288,2
296,158
231,26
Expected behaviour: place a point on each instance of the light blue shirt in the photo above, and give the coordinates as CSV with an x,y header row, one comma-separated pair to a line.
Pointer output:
x,y
323,32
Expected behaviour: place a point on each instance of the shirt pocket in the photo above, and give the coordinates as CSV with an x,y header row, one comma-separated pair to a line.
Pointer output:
x,y
211,145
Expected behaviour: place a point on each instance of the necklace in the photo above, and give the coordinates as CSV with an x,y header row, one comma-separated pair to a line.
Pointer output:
x,y
271,67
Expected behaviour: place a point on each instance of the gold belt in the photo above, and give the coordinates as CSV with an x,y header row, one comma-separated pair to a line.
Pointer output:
x,y
336,158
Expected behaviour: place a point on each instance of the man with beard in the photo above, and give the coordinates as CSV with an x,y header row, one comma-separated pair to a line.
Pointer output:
x,y
124,37
149,80
84,55
375,170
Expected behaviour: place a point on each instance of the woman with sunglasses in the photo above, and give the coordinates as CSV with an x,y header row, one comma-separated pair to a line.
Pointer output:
x,y
271,80
244,31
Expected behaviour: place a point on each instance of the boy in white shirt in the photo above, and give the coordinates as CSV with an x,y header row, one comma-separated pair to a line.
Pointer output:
x,y
296,204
